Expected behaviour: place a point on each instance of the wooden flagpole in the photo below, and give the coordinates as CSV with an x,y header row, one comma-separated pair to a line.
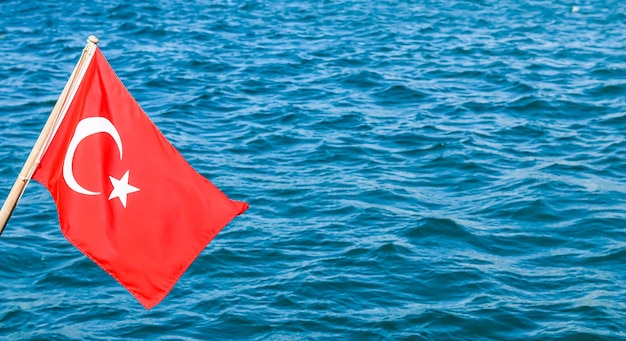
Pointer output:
x,y
35,154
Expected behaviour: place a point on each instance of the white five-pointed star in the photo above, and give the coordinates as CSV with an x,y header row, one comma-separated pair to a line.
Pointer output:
x,y
121,188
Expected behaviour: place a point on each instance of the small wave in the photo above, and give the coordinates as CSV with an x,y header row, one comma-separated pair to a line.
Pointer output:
x,y
399,95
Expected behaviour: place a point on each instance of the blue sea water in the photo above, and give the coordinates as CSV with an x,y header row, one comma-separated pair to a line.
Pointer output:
x,y
423,170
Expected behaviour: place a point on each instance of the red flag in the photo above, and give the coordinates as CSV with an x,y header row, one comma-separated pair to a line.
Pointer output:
x,y
125,196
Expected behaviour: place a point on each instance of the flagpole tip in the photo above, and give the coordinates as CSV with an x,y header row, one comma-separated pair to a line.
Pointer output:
x,y
93,39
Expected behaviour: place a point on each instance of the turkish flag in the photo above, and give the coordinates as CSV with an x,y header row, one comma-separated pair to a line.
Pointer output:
x,y
125,196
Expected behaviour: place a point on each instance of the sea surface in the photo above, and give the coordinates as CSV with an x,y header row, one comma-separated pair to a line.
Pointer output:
x,y
416,170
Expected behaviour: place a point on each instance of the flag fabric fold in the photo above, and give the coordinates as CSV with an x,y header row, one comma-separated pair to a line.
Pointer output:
x,y
125,196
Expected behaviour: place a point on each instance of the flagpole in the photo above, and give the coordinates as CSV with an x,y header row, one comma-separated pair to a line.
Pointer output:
x,y
33,158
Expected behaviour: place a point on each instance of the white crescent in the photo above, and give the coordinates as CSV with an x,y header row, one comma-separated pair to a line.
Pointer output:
x,y
87,127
